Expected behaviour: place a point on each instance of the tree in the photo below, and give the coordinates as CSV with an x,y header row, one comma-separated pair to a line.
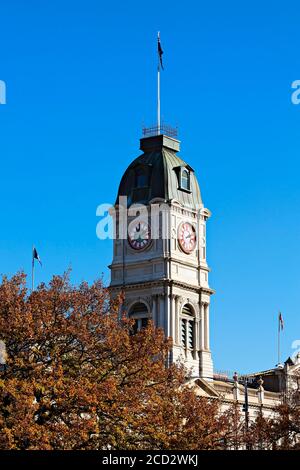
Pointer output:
x,y
282,430
286,424
75,377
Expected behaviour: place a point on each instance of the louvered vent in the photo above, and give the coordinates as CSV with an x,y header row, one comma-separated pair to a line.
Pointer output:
x,y
187,310
183,333
190,334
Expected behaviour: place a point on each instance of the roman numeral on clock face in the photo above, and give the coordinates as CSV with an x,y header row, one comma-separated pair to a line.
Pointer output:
x,y
187,237
139,235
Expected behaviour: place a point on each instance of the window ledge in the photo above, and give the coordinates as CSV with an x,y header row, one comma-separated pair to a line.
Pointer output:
x,y
185,190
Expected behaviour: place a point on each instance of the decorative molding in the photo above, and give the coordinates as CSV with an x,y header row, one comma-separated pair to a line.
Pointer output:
x,y
139,299
163,283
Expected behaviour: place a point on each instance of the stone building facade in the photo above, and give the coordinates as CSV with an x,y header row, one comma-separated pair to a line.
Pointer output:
x,y
159,262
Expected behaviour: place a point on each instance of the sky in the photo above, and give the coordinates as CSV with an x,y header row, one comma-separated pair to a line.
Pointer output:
x,y
81,83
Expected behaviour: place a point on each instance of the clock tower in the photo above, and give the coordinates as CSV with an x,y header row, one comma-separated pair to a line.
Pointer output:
x,y
159,252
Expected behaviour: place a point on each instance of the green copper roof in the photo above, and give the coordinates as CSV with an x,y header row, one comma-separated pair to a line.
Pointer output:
x,y
162,169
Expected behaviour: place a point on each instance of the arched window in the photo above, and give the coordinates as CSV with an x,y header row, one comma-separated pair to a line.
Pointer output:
x,y
187,327
141,178
185,179
141,316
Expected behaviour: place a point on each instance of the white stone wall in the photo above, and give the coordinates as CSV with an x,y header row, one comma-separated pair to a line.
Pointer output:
x,y
165,278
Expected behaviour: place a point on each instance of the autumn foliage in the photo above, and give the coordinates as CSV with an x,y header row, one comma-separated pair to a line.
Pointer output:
x,y
75,377
282,430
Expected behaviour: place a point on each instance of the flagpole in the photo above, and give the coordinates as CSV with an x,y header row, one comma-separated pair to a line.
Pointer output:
x,y
278,341
32,271
158,89
279,329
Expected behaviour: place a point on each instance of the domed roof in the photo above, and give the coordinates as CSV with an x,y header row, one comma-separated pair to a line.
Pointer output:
x,y
160,173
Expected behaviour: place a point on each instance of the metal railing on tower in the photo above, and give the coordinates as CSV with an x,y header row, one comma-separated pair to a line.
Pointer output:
x,y
163,128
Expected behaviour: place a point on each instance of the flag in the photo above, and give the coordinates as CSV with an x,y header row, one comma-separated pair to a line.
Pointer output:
x,y
160,51
35,255
280,322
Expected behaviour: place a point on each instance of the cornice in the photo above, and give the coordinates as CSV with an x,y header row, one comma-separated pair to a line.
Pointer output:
x,y
164,283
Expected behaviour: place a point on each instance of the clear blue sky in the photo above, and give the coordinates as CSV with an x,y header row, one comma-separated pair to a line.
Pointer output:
x,y
81,80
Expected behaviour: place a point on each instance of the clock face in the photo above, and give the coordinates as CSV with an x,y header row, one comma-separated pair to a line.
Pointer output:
x,y
139,235
187,237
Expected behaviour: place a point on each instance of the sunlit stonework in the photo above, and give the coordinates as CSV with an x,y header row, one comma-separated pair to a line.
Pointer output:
x,y
165,279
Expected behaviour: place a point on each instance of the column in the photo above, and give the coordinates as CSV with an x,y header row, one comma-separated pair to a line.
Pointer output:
x,y
197,333
206,317
161,303
167,312
176,322
172,314
154,310
202,345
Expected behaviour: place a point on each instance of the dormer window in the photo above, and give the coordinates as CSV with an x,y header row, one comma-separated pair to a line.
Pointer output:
x,y
185,179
